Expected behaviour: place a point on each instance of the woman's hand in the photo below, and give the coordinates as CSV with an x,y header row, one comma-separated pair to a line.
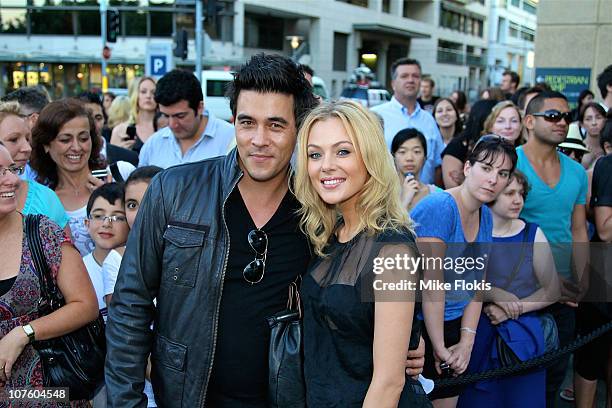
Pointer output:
x,y
11,347
495,314
441,354
94,182
512,305
410,187
460,355
119,137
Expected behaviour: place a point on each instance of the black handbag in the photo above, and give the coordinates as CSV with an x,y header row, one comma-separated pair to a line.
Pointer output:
x,y
74,360
286,386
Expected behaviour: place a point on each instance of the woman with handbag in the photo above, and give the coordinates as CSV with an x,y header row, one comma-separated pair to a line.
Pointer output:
x,y
21,324
524,280
356,337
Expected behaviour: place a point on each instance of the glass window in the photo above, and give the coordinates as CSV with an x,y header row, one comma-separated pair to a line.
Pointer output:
x,y
516,3
13,21
216,87
134,23
361,3
51,22
340,51
386,6
88,22
263,32
530,8
161,24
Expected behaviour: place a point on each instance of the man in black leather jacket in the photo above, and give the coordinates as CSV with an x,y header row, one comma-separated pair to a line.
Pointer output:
x,y
201,237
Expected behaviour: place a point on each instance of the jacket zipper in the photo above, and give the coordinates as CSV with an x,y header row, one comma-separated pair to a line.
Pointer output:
x,y
212,356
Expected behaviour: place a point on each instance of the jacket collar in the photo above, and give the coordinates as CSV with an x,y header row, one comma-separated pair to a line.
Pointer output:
x,y
232,172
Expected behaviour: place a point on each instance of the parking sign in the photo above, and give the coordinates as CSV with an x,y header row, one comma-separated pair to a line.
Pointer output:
x,y
159,59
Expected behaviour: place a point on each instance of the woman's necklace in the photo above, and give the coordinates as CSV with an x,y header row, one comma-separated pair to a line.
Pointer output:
x,y
507,231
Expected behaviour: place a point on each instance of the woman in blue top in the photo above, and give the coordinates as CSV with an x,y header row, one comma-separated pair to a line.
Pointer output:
x,y
356,332
32,197
524,280
452,226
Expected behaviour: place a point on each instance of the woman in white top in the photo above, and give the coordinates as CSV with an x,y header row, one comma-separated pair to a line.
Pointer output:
x,y
64,153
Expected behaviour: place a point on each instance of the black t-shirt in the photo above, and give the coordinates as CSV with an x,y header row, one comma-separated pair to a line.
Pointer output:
x,y
240,369
601,187
457,147
428,105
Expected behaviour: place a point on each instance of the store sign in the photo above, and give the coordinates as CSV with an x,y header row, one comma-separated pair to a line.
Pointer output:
x,y
569,81
159,60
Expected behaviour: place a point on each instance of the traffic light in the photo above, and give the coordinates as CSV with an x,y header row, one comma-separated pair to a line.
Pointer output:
x,y
180,44
113,25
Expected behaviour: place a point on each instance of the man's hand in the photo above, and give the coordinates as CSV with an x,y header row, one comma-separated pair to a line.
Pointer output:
x,y
416,360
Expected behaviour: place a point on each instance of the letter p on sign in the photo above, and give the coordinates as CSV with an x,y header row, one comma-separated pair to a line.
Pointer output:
x,y
158,65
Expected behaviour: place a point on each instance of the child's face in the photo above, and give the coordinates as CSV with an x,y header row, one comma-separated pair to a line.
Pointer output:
x,y
106,233
133,196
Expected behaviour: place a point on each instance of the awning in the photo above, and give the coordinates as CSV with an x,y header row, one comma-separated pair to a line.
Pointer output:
x,y
377,28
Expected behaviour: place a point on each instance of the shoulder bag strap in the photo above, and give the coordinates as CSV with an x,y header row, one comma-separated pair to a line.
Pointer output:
x,y
114,168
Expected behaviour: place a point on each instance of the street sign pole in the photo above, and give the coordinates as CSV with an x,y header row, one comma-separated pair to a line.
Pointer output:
x,y
198,40
103,8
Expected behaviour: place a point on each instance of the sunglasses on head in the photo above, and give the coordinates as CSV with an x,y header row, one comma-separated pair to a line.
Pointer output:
x,y
554,116
254,272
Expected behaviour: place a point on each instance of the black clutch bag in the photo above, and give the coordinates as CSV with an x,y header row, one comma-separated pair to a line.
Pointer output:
x,y
286,386
74,360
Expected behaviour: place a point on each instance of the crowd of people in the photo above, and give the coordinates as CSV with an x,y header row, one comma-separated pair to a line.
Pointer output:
x,y
184,231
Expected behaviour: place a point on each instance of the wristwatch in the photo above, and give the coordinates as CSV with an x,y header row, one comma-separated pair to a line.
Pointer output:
x,y
29,331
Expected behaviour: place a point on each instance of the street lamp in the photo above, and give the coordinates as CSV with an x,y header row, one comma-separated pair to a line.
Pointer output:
x,y
294,41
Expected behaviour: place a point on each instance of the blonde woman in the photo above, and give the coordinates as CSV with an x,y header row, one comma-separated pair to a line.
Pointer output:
x,y
351,211
135,132
119,111
505,121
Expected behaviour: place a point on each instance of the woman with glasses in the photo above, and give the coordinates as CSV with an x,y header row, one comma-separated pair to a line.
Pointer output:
x,y
522,273
65,151
593,120
32,197
455,225
139,127
355,350
409,150
20,324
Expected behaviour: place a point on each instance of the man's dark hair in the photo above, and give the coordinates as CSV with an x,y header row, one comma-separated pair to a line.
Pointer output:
x,y
606,134
489,148
603,80
514,77
275,74
92,97
536,89
29,97
111,192
430,80
403,61
535,105
178,85
307,69
143,174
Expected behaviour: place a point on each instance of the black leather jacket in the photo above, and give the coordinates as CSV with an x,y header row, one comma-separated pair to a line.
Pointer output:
x,y
177,254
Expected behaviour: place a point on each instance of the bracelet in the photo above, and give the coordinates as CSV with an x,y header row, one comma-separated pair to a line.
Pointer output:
x,y
467,329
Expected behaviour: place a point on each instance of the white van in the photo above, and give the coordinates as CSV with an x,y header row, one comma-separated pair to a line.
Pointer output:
x,y
214,84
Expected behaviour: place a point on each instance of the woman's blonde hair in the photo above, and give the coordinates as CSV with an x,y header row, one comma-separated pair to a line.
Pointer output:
x,y
119,111
497,109
379,204
10,108
135,92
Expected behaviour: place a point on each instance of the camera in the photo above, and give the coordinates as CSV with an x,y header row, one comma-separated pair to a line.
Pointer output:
x,y
100,174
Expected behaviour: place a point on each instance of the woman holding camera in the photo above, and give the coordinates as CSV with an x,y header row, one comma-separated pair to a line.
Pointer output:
x,y
65,151
135,132
20,324
455,226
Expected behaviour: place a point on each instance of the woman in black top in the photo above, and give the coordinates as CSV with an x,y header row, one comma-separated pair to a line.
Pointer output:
x,y
356,328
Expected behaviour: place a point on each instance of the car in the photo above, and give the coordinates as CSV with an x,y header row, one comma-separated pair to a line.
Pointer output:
x,y
368,97
214,84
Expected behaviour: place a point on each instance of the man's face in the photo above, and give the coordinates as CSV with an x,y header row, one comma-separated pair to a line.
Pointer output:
x,y
182,120
426,90
545,131
506,84
265,133
98,116
407,82
29,114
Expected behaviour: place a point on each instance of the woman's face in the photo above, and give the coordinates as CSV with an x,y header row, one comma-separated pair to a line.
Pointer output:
x,y
593,121
71,148
15,134
587,99
8,183
410,156
134,192
486,180
510,202
146,96
507,124
335,167
445,115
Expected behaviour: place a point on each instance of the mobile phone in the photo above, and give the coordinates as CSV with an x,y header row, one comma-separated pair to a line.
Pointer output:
x,y
131,132
100,174
408,174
